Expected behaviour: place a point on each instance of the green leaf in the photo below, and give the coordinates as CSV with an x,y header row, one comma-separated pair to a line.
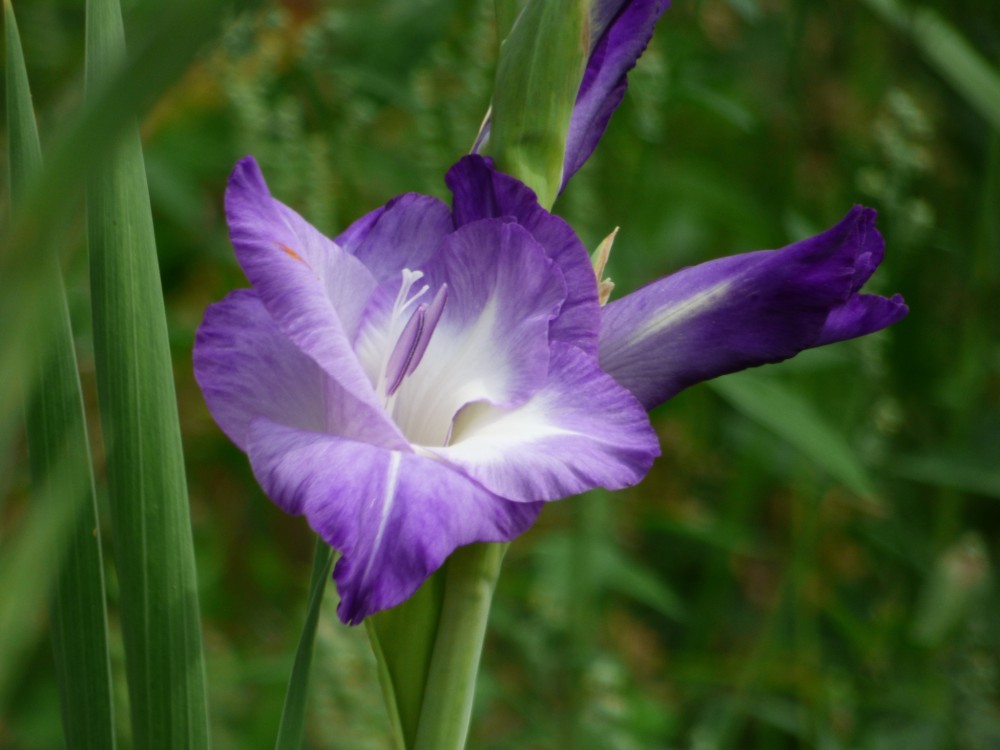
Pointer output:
x,y
538,76
30,566
154,551
948,472
949,53
795,420
293,716
24,153
60,457
46,224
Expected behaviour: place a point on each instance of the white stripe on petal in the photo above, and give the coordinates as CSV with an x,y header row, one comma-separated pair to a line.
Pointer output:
x,y
388,500
676,313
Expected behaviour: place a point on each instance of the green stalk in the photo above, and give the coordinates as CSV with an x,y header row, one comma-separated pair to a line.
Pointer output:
x,y
154,550
291,730
60,453
469,581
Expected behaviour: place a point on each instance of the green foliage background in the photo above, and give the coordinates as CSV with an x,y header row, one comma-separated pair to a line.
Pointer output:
x,y
812,562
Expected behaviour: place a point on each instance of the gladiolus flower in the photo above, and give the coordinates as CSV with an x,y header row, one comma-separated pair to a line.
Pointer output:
x,y
432,376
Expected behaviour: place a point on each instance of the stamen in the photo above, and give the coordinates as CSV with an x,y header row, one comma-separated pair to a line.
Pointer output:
x,y
414,340
432,317
402,352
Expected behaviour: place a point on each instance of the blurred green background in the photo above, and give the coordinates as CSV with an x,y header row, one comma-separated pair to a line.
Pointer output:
x,y
812,562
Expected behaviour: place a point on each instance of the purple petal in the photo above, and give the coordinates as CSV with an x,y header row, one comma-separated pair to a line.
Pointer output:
x,y
622,29
247,368
746,310
394,516
359,229
580,430
860,315
314,291
405,233
481,192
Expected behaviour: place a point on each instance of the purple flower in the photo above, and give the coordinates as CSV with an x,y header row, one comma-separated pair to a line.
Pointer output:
x,y
745,310
424,382
430,377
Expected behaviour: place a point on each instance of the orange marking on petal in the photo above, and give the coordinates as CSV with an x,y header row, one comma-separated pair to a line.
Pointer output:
x,y
294,255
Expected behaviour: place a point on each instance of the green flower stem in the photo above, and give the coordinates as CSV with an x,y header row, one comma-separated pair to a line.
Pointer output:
x,y
293,716
470,577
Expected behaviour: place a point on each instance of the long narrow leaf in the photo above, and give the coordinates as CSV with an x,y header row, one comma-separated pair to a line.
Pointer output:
x,y
154,550
797,421
949,53
28,566
945,471
57,442
293,715
45,224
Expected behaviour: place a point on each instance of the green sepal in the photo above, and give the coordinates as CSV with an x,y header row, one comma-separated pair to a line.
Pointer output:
x,y
538,76
403,641
428,650
506,12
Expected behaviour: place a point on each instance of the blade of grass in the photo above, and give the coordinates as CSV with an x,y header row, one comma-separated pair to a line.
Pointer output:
x,y
944,471
949,53
293,716
45,223
154,550
57,441
28,560
795,420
